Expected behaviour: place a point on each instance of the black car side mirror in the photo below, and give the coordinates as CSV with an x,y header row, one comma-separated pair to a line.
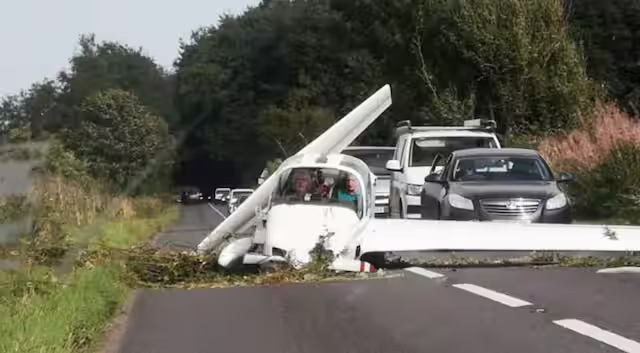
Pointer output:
x,y
433,178
565,177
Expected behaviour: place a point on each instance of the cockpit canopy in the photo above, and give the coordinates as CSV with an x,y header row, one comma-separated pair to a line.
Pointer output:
x,y
320,186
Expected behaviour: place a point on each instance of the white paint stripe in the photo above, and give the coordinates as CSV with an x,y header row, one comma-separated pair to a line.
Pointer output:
x,y
493,295
628,269
422,272
610,338
218,212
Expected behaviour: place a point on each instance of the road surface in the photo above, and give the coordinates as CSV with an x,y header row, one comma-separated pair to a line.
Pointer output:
x,y
506,310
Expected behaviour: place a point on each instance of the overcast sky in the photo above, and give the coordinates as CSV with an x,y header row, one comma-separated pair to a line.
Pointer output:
x,y
38,37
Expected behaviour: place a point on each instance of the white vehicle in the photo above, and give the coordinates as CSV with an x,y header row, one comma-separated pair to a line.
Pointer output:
x,y
416,149
376,158
290,218
221,195
234,197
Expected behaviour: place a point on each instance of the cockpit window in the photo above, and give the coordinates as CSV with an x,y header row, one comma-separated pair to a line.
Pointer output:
x,y
320,186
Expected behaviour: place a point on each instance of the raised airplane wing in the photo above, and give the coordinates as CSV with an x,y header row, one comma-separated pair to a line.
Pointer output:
x,y
334,140
396,235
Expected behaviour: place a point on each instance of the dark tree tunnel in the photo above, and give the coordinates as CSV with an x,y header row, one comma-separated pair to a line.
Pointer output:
x,y
199,170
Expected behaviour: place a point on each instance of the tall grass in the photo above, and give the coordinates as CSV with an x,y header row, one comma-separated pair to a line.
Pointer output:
x,y
592,142
604,153
44,310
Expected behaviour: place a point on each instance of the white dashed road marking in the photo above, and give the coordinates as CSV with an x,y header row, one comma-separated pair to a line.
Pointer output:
x,y
216,210
426,273
610,338
493,295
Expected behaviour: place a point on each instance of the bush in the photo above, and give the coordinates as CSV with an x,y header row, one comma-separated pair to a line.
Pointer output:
x,y
19,134
604,153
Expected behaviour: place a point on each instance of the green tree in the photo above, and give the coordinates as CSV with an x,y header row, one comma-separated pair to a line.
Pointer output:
x,y
236,80
110,65
609,32
121,142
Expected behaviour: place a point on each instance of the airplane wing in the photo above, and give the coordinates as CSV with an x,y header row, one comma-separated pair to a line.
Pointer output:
x,y
396,235
335,139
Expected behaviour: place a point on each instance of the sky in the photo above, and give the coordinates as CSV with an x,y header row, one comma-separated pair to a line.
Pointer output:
x,y
39,36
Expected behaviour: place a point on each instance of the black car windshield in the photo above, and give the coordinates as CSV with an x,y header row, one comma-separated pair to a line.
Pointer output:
x,y
501,169
425,149
223,192
376,159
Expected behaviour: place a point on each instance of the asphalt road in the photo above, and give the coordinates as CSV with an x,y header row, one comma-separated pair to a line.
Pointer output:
x,y
195,222
506,310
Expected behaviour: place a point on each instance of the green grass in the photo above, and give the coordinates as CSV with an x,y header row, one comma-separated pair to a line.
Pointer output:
x,y
61,317
127,233
44,314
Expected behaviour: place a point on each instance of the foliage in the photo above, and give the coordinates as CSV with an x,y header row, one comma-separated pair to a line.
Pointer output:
x,y
273,165
19,134
522,50
604,153
254,72
100,66
592,141
609,31
121,143
12,208
61,162
48,313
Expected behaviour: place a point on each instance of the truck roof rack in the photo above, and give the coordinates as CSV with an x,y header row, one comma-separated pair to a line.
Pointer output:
x,y
405,127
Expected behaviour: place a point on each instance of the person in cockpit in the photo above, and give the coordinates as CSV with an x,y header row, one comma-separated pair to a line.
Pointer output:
x,y
349,192
302,184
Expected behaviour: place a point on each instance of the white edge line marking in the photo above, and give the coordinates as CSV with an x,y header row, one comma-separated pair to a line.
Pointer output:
x,y
628,269
604,336
422,272
218,212
493,295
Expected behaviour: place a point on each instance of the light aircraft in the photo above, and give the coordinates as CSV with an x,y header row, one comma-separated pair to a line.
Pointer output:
x,y
291,219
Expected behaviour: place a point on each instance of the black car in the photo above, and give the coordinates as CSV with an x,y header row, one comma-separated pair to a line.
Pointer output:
x,y
191,195
488,184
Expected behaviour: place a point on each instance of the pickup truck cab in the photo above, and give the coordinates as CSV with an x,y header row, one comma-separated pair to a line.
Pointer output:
x,y
416,149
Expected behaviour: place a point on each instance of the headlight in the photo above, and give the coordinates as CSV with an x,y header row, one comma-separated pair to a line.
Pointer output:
x,y
457,201
556,202
414,189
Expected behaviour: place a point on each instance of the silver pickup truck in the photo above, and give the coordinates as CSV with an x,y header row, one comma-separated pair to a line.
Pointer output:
x,y
376,158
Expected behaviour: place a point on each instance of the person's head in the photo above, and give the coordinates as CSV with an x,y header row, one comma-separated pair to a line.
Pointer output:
x,y
352,183
302,182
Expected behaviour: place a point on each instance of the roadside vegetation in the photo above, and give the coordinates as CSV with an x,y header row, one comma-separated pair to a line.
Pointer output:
x,y
252,90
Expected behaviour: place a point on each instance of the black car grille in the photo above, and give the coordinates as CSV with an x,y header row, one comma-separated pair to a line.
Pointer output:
x,y
510,207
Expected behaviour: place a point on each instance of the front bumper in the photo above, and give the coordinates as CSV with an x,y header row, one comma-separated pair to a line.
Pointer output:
x,y
414,205
559,216
382,205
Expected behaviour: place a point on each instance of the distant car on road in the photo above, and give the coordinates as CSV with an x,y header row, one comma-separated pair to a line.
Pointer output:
x,y
376,158
191,195
488,184
234,198
221,195
240,199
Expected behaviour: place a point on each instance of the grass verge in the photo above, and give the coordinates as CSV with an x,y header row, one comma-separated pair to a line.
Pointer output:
x,y
43,313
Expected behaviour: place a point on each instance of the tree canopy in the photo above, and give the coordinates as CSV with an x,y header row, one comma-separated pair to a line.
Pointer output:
x,y
257,86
